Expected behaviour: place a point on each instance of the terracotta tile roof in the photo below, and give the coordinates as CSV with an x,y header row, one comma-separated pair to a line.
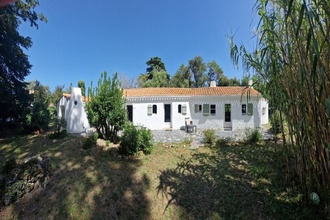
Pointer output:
x,y
67,95
138,92
226,90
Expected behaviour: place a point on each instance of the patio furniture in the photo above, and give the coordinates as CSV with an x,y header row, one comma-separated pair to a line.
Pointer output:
x,y
189,125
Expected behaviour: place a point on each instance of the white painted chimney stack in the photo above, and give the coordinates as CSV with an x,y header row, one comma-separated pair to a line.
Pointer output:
x,y
213,84
250,83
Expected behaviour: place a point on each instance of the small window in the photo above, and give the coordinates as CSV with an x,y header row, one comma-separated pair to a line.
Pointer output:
x,y
154,109
179,108
250,109
75,102
263,111
213,109
198,108
243,109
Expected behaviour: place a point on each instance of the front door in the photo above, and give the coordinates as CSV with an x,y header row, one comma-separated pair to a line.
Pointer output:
x,y
130,112
167,115
227,124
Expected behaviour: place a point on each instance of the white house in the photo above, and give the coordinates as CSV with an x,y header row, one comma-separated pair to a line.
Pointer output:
x,y
224,108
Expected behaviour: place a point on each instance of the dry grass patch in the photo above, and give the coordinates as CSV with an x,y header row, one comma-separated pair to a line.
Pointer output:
x,y
173,182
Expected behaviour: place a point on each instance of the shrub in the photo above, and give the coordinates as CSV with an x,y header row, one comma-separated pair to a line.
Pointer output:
x,y
209,136
107,143
91,141
60,124
60,135
10,164
254,135
36,118
275,121
135,139
221,142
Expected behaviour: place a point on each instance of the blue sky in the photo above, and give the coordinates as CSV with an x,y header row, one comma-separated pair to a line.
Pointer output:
x,y
82,40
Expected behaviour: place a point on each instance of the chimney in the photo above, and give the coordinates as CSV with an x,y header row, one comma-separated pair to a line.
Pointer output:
x,y
213,84
250,83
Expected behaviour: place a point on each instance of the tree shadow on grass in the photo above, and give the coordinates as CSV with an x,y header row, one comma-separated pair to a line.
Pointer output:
x,y
235,182
85,184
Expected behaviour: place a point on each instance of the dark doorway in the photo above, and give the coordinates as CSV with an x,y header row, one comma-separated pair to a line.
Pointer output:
x,y
130,112
167,108
227,113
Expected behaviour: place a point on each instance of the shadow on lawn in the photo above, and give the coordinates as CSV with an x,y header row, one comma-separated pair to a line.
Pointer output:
x,y
235,182
92,184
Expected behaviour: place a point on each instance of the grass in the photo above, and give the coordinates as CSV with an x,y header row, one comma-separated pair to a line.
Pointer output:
x,y
232,181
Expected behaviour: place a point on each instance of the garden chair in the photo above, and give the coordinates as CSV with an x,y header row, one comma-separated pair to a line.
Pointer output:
x,y
189,125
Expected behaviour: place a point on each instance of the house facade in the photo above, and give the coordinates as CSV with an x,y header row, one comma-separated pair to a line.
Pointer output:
x,y
224,108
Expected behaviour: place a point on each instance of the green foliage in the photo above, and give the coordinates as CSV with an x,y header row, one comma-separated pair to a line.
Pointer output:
x,y
253,136
106,108
159,79
60,124
38,115
10,164
15,65
214,73
81,85
209,136
55,135
223,81
198,68
37,118
107,143
135,139
187,141
275,121
221,142
155,63
292,59
182,77
90,142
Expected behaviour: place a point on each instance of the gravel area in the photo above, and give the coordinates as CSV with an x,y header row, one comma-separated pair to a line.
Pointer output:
x,y
175,136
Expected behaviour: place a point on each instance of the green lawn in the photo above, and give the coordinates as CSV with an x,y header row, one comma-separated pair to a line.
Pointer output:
x,y
239,181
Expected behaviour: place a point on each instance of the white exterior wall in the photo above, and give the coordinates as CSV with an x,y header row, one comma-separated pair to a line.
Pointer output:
x,y
238,121
216,121
264,117
75,114
156,121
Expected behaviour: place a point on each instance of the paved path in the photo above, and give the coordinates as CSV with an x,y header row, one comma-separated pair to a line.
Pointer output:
x,y
175,136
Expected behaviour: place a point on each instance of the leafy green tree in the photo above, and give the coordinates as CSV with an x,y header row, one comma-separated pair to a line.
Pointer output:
x,y
234,82
223,81
57,94
214,73
106,108
245,81
14,63
155,65
182,77
159,80
37,116
198,68
81,85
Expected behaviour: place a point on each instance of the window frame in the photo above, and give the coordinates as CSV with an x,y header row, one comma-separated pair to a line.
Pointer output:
x,y
154,109
213,107
244,113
